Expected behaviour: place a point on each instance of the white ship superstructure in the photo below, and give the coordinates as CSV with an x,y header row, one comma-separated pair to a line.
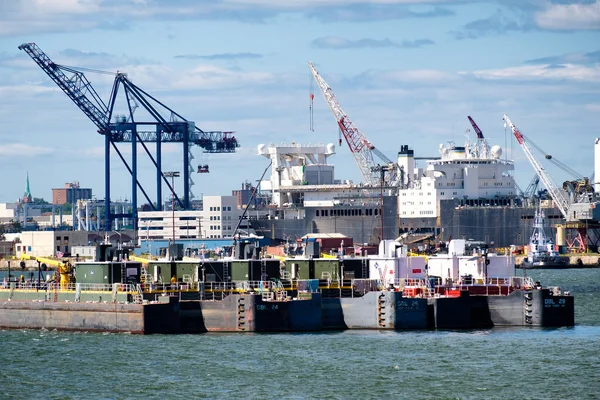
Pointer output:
x,y
469,191
306,198
471,172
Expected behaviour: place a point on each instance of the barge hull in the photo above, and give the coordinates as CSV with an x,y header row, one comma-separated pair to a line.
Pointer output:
x,y
375,310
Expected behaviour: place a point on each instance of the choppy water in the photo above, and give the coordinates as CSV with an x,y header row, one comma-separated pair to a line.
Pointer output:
x,y
499,363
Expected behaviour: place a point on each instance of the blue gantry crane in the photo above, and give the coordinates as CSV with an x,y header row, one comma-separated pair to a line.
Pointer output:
x,y
164,125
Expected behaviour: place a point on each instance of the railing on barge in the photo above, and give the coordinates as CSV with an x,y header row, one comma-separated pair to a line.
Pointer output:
x,y
278,290
493,286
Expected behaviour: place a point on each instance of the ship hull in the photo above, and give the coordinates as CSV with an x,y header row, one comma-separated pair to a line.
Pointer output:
x,y
502,225
541,308
385,310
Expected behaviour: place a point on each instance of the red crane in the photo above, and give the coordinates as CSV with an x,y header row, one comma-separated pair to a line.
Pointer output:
x,y
362,149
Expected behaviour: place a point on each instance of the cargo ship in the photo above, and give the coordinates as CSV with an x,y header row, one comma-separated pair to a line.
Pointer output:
x,y
467,192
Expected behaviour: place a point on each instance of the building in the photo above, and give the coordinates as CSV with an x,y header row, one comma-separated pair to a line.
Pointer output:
x,y
6,249
217,220
70,194
244,194
49,243
159,225
221,215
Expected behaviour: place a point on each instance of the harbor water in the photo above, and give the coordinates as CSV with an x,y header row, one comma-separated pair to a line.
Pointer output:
x,y
497,363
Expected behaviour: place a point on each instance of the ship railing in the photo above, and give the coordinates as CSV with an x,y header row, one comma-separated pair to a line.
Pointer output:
x,y
97,287
410,282
490,286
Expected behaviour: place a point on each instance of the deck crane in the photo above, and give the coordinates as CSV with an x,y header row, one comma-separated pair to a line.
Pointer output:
x,y
160,125
362,149
483,148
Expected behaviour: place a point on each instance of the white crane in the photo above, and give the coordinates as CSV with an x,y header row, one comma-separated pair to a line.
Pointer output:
x,y
561,202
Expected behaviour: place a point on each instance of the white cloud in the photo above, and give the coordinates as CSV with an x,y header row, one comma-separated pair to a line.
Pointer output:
x,y
569,72
155,77
32,88
570,17
592,107
422,76
19,150
327,3
18,17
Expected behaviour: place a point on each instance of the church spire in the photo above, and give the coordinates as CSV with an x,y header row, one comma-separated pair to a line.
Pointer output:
x,y
27,196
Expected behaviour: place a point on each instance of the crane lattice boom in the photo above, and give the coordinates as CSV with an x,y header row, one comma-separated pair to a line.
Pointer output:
x,y
559,199
77,87
359,145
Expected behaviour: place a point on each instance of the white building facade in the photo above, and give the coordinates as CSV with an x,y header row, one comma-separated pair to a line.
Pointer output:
x,y
49,243
217,220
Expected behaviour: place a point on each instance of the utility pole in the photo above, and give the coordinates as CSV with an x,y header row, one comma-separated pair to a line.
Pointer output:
x,y
172,175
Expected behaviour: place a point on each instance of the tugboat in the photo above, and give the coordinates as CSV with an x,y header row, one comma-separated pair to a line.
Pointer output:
x,y
541,252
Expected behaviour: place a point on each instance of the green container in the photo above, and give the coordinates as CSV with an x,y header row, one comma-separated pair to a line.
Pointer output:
x,y
187,270
326,268
239,270
161,271
299,268
108,272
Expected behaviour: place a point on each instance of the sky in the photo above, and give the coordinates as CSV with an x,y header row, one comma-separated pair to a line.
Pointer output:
x,y
404,71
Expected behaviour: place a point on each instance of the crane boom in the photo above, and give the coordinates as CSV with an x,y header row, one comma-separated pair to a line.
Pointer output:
x,y
476,128
164,125
360,146
532,187
559,199
77,87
